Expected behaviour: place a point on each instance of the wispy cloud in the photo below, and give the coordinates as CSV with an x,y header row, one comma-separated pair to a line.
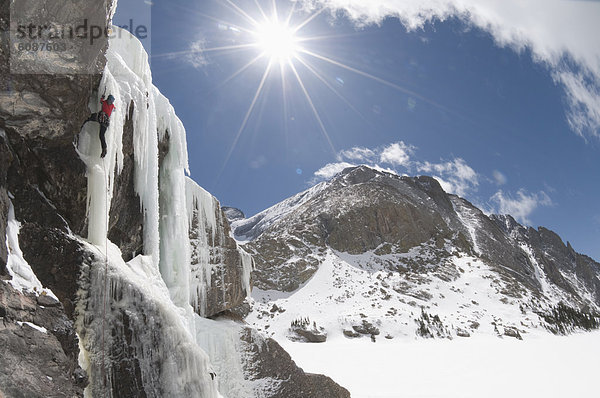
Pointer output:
x,y
522,206
358,154
562,35
455,176
259,162
499,178
195,56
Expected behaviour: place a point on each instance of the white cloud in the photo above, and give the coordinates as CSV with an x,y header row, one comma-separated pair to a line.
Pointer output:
x,y
522,206
559,33
455,176
358,154
584,102
499,178
329,170
397,154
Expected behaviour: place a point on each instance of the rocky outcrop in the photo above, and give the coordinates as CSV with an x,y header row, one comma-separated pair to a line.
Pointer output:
x,y
220,269
555,258
39,348
266,359
233,214
5,158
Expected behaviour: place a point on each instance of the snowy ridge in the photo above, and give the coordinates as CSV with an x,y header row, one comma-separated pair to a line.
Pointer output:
x,y
248,229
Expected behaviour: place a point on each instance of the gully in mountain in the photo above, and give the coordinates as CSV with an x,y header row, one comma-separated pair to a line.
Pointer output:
x,y
103,117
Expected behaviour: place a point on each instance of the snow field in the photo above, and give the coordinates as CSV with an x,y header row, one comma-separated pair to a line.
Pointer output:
x,y
483,366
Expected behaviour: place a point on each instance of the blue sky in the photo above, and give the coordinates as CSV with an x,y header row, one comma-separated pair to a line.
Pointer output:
x,y
502,108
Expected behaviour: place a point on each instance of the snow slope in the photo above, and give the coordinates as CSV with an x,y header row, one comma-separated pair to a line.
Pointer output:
x,y
344,293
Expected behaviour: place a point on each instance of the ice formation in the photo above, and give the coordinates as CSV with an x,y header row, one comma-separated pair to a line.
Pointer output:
x,y
151,298
23,277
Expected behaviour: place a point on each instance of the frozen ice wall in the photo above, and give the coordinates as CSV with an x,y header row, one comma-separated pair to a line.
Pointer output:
x,y
136,320
133,338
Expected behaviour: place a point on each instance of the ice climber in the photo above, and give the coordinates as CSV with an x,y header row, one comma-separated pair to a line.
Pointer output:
x,y
103,117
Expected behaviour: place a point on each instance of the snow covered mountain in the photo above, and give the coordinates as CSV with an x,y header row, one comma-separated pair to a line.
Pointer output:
x,y
113,265
374,254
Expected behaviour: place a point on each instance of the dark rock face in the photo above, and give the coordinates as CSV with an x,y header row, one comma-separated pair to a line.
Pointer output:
x,y
126,225
267,359
554,256
5,158
40,116
56,259
37,363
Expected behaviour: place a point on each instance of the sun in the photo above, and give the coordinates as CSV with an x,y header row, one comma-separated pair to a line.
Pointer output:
x,y
277,40
280,38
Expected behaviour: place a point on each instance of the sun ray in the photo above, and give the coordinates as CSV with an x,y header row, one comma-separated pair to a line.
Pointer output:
x,y
218,20
260,9
243,13
285,105
329,86
241,70
325,37
291,13
308,20
206,50
377,79
275,13
314,109
246,118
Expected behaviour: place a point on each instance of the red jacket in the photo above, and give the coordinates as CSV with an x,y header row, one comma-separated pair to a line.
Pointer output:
x,y
107,108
